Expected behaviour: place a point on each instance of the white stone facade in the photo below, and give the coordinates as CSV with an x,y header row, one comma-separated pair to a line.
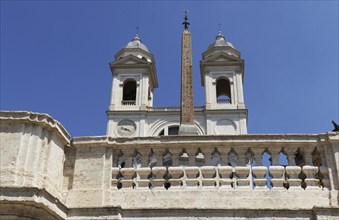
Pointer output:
x,y
216,117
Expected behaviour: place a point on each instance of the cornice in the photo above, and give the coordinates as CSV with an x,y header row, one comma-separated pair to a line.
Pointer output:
x,y
38,202
40,119
244,140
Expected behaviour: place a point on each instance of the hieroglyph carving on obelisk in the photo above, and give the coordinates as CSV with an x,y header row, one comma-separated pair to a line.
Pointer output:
x,y
187,104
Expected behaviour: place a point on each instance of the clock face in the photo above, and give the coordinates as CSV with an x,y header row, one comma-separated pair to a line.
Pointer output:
x,y
126,128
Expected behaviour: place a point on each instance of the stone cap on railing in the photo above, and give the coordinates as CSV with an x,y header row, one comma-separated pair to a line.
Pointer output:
x,y
128,102
40,119
196,140
224,101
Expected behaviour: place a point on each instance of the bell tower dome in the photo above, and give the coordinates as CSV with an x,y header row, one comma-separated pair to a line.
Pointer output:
x,y
134,77
222,74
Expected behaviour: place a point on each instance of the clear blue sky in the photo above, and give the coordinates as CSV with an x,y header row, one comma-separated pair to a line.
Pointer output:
x,y
55,55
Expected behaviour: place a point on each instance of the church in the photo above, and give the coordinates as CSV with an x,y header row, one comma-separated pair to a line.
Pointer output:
x,y
167,162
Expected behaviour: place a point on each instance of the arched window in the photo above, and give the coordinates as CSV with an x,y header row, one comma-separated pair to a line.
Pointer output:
x,y
129,92
223,90
172,130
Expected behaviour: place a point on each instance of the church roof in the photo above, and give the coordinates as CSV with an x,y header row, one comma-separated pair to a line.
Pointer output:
x,y
136,43
220,41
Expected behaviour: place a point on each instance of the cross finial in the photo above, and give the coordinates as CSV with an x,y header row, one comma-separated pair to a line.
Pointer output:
x,y
137,30
219,27
186,23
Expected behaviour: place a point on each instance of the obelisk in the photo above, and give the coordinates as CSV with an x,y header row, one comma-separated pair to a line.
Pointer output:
x,y
187,126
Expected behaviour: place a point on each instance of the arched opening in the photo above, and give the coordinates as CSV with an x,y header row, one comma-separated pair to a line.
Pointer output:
x,y
129,92
223,91
172,130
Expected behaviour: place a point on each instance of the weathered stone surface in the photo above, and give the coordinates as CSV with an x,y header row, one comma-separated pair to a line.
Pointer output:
x,y
44,175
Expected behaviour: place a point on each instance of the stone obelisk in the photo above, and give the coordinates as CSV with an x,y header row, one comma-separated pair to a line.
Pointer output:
x,y
187,126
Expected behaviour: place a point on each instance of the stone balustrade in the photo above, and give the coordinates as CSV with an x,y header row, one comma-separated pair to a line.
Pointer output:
x,y
224,101
172,108
128,102
45,174
285,167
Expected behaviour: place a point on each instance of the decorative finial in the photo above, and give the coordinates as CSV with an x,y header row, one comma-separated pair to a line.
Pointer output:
x,y
137,30
219,35
186,23
219,28
136,37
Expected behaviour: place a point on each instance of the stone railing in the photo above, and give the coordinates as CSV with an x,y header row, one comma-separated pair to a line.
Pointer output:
x,y
172,108
128,102
224,101
287,167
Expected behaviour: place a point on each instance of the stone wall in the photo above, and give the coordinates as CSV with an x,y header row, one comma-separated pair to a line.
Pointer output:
x,y
46,175
32,160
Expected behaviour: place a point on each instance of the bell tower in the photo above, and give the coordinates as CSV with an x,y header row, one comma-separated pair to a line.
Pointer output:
x,y
222,76
134,79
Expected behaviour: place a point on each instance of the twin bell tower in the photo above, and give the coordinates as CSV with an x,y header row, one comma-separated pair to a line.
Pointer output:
x,y
131,112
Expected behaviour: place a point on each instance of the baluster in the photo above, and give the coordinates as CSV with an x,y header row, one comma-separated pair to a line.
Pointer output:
x,y
225,173
292,170
127,181
152,160
224,155
242,170
290,155
293,180
145,156
310,170
243,180
192,174
259,171
158,179
191,156
167,159
207,151
276,171
260,181
323,174
258,151
137,160
208,176
129,153
216,158
275,155
142,178
308,155
159,153
177,174
278,177
175,156
241,151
